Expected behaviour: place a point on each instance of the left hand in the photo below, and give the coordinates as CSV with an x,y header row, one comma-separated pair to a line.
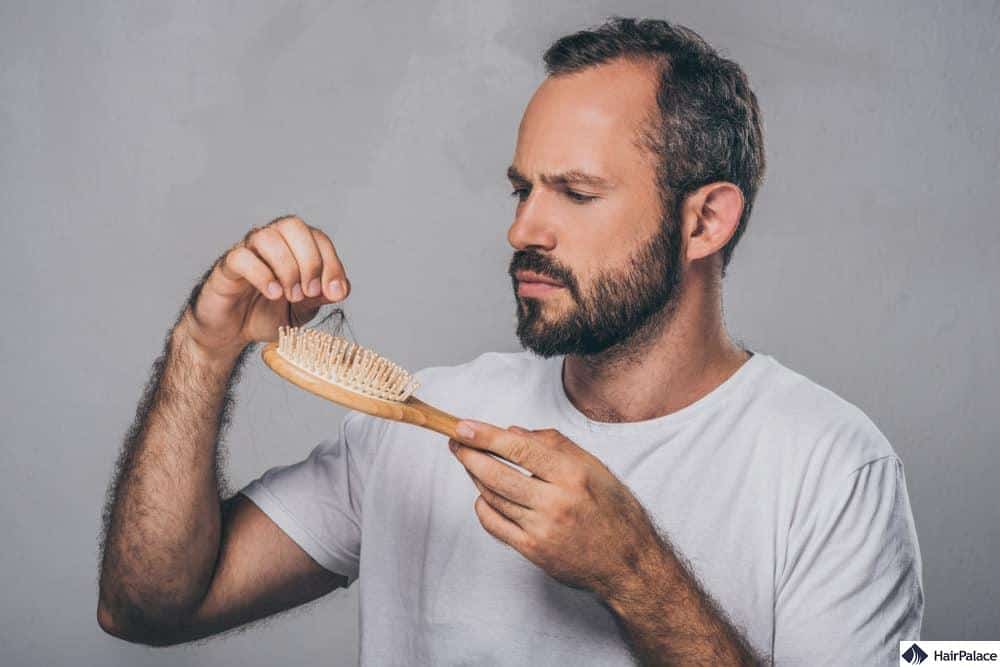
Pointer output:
x,y
573,518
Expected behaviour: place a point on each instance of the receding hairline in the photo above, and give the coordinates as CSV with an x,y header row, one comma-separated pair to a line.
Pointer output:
x,y
654,66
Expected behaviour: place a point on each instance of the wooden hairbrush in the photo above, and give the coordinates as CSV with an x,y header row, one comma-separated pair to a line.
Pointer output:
x,y
353,376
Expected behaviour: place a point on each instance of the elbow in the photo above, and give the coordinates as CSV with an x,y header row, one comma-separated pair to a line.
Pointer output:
x,y
130,626
110,624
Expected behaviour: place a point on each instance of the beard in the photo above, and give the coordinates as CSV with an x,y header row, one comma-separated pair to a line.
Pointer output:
x,y
615,310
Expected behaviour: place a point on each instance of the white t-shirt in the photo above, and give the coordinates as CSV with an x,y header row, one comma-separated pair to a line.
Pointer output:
x,y
787,502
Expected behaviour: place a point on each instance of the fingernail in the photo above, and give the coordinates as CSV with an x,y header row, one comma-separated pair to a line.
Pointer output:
x,y
273,290
465,430
313,288
296,292
336,289
452,446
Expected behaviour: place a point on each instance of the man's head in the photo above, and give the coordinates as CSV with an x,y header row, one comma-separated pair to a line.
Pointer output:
x,y
641,153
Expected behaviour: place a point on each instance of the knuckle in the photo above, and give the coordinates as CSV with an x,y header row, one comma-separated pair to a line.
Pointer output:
x,y
542,459
263,238
579,479
282,219
239,261
557,440
325,245
235,257
291,225
519,450
249,235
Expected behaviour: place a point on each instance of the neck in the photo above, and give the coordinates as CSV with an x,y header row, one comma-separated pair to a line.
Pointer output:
x,y
674,360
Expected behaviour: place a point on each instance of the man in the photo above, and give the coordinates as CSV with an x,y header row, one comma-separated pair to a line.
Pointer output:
x,y
690,502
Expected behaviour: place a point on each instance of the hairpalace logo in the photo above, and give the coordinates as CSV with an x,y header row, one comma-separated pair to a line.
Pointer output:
x,y
949,653
914,655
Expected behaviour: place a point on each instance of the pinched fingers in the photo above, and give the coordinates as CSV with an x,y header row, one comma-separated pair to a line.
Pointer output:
x,y
270,246
334,279
287,258
242,263
299,239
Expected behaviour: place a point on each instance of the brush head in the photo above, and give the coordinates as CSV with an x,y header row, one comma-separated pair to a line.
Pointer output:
x,y
348,365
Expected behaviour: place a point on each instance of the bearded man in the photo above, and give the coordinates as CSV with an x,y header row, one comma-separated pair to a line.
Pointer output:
x,y
689,501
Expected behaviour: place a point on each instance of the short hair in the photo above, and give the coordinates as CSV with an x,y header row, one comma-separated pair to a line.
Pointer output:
x,y
708,127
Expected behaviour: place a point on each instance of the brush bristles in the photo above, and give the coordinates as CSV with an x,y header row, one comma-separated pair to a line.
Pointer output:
x,y
344,363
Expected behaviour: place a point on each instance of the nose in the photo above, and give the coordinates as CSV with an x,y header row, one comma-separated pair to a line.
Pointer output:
x,y
532,224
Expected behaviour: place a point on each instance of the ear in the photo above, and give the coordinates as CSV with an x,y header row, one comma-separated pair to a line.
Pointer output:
x,y
711,215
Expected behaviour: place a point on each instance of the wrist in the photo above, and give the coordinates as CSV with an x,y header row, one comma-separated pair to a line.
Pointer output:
x,y
221,359
640,577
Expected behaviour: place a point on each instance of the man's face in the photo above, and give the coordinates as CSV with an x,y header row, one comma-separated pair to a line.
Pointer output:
x,y
595,257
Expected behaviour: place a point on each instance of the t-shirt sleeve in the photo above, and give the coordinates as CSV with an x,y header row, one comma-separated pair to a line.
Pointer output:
x,y
318,501
852,589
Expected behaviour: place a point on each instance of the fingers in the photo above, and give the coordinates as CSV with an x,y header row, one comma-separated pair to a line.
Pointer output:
x,y
299,240
334,280
513,511
289,259
243,263
541,454
271,247
500,527
499,477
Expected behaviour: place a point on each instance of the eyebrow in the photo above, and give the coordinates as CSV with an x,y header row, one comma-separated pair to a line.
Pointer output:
x,y
572,177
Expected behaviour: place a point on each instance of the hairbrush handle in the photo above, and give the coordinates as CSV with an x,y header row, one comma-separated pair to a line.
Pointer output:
x,y
411,411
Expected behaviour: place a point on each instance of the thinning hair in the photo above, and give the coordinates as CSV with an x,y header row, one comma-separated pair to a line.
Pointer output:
x,y
708,127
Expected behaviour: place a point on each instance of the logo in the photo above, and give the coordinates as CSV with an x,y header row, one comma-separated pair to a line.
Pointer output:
x,y
914,655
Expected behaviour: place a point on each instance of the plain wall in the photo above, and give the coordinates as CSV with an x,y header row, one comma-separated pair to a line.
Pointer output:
x,y
137,144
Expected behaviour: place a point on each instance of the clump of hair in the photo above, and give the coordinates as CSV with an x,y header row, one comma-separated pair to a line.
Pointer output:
x,y
708,126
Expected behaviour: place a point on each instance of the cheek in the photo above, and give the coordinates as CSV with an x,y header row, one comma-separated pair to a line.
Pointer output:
x,y
601,237
616,227
608,252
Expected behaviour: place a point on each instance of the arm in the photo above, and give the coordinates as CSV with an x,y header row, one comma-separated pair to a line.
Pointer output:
x,y
177,563
668,619
577,522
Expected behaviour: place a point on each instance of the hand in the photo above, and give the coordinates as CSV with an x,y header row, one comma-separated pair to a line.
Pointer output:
x,y
573,517
284,269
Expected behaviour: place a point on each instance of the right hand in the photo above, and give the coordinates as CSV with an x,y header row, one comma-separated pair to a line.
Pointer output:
x,y
283,267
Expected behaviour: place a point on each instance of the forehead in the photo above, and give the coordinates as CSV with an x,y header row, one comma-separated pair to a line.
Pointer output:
x,y
588,120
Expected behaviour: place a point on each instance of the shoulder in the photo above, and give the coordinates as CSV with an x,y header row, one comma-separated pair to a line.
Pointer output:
x,y
816,427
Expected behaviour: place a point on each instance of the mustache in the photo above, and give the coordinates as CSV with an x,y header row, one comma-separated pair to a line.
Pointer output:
x,y
532,260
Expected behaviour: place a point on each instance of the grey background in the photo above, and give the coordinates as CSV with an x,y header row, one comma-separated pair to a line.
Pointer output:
x,y
136,144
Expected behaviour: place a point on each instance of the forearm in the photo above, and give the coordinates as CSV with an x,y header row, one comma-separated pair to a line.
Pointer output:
x,y
163,519
668,619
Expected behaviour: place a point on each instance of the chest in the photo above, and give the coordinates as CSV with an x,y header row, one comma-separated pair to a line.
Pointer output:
x,y
424,549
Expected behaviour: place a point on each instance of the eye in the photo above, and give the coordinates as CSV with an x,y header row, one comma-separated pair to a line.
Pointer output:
x,y
520,193
579,197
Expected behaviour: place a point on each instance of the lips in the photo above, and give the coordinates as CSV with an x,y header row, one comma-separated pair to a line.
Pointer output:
x,y
532,277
